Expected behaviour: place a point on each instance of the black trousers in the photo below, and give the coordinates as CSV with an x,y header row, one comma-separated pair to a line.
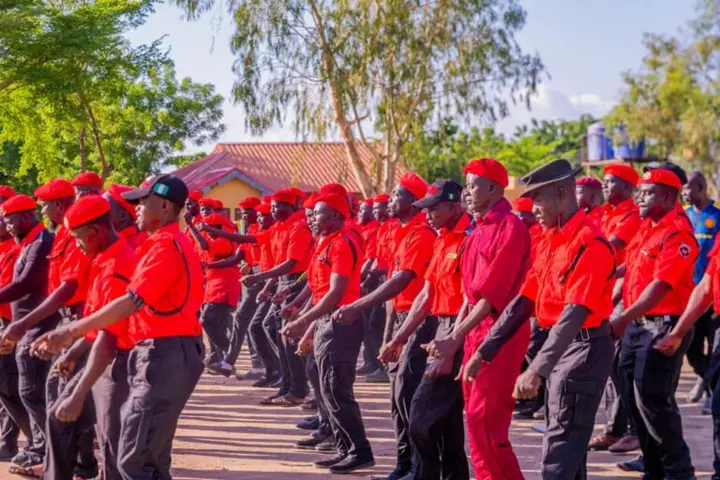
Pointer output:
x,y
216,321
313,374
13,417
701,345
264,348
405,377
619,422
714,381
650,380
241,321
157,396
538,336
33,373
574,390
436,422
336,351
109,394
374,329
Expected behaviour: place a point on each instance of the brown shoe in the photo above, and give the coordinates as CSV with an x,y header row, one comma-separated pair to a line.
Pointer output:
x,y
602,442
628,443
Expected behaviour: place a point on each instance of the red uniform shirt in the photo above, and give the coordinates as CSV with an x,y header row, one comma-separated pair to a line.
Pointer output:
x,y
574,265
412,247
713,269
109,278
385,235
337,253
222,285
251,251
9,253
622,222
134,237
263,237
596,216
167,285
369,233
665,251
290,239
68,263
536,233
444,273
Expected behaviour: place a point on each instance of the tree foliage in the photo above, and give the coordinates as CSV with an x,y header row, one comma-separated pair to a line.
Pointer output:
x,y
386,67
76,95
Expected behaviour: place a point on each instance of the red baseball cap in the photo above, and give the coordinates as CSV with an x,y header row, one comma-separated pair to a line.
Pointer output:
x,y
662,177
623,172
336,202
54,190
85,210
88,179
488,168
17,204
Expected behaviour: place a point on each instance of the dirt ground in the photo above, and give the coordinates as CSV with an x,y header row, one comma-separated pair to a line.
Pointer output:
x,y
224,434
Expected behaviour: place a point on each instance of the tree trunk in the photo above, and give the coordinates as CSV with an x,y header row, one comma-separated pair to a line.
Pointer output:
x,y
106,167
83,152
390,168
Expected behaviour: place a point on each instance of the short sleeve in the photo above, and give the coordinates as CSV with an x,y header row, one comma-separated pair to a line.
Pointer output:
x,y
530,286
676,257
430,273
300,244
341,258
75,265
628,227
590,277
418,252
156,272
219,247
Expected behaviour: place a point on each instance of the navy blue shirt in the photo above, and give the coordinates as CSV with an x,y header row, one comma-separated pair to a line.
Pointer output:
x,y
706,224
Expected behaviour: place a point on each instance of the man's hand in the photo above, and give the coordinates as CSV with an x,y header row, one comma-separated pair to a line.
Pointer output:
x,y
289,311
669,344
264,295
439,367
188,218
345,315
293,329
64,366
527,385
7,347
245,269
202,227
250,280
51,343
618,326
390,352
280,296
69,409
14,332
471,369
442,348
305,347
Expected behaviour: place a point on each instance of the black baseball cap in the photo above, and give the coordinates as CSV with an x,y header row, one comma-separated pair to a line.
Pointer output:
x,y
440,191
673,167
165,186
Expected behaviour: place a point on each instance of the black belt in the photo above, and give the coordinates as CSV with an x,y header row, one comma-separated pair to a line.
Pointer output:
x,y
587,334
655,319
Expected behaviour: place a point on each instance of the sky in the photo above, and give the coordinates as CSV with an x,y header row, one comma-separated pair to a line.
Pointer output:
x,y
585,45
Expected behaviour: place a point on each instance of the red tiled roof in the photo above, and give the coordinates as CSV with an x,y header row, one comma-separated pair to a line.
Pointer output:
x,y
272,166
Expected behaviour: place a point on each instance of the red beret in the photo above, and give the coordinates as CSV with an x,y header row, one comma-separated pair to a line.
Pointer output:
x,y
522,204
215,219
490,169
7,191
624,172
18,203
662,177
299,194
115,191
88,179
54,190
589,182
267,199
195,195
382,198
335,188
369,201
250,202
85,210
413,183
310,202
285,196
336,202
264,209
211,202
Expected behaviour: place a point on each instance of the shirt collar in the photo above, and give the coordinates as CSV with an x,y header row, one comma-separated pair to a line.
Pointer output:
x,y
171,228
624,206
460,227
110,251
570,229
501,208
30,237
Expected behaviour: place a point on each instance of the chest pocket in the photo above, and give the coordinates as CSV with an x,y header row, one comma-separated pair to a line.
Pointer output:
x,y
324,258
576,258
175,311
451,260
654,251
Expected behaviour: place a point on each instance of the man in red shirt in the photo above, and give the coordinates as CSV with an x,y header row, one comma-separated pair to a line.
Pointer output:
x,y
87,183
164,296
192,211
68,275
334,280
89,222
123,216
590,198
494,264
656,289
9,431
436,413
569,290
411,247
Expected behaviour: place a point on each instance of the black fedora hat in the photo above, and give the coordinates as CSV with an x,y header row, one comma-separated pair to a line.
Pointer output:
x,y
547,174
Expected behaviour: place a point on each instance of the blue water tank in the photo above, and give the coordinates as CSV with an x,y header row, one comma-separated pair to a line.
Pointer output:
x,y
609,152
596,142
623,149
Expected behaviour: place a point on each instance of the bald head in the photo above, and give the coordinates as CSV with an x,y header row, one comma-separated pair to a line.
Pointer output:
x,y
695,191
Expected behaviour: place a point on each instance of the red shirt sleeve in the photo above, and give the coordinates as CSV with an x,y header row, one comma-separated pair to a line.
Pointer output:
x,y
677,256
417,254
530,287
341,258
156,272
300,244
75,266
510,261
219,248
590,277
628,227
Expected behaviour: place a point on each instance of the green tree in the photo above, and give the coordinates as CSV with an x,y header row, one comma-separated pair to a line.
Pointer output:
x,y
387,66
